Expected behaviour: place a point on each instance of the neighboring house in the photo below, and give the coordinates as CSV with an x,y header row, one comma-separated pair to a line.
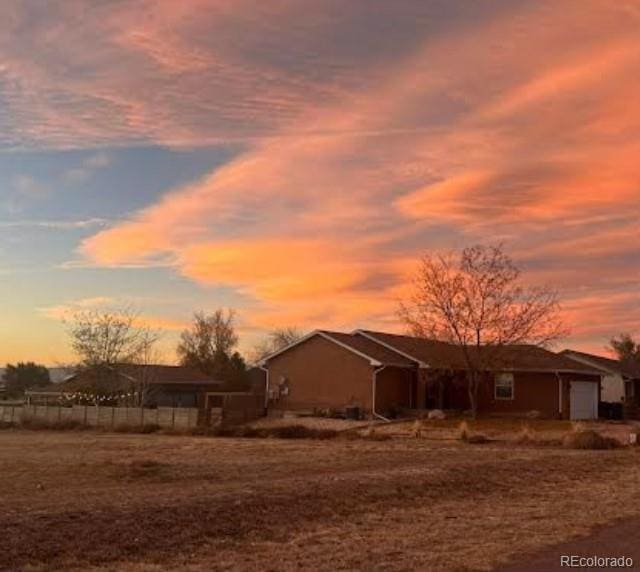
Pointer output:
x,y
620,381
163,385
59,374
383,373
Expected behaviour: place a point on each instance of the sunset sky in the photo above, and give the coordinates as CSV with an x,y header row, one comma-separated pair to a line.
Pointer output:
x,y
292,159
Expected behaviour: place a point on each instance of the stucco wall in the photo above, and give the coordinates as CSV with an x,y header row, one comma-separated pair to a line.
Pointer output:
x,y
321,374
532,391
395,388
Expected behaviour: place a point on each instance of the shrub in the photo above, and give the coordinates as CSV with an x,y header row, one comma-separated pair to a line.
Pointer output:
x,y
281,432
124,428
300,432
373,435
589,439
468,437
44,424
150,428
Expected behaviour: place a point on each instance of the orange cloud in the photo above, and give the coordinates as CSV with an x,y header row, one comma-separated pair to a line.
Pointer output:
x,y
458,139
274,269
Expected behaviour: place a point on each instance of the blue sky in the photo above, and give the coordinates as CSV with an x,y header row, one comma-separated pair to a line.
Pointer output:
x,y
294,159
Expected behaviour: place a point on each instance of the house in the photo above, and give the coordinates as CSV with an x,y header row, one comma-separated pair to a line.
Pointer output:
x,y
620,380
163,385
384,373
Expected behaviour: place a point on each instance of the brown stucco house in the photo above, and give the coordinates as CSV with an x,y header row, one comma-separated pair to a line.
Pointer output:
x,y
384,373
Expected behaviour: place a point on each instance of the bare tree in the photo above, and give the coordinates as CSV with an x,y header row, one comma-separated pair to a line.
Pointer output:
x,y
147,358
274,341
475,300
107,342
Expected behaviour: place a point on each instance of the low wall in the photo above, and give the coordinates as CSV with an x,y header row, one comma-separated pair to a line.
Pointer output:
x,y
97,416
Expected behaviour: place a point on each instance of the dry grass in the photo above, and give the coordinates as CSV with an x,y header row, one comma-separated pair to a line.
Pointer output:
x,y
119,502
589,439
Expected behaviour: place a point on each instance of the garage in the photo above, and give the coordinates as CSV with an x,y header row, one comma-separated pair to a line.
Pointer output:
x,y
584,400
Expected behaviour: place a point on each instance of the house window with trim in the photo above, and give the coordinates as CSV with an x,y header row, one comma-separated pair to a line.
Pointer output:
x,y
504,386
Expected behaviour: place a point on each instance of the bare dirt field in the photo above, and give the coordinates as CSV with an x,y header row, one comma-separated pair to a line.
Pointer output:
x,y
151,503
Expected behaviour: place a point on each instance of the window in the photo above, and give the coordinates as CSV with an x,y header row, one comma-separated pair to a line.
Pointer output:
x,y
503,385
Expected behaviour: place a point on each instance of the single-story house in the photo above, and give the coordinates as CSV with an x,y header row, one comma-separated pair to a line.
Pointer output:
x,y
163,385
384,373
620,380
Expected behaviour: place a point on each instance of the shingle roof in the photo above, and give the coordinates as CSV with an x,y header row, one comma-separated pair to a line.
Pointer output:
x,y
630,370
153,374
371,349
442,355
169,374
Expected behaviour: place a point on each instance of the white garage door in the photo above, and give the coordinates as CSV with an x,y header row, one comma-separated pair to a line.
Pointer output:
x,y
584,400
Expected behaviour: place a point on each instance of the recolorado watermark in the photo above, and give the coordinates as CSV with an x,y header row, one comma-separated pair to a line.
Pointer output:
x,y
575,561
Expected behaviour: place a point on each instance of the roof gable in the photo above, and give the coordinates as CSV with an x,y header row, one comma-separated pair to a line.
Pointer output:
x,y
605,364
374,353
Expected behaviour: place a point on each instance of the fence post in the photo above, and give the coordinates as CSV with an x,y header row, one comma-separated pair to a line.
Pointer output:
x,y
13,412
142,417
59,412
173,417
113,417
85,414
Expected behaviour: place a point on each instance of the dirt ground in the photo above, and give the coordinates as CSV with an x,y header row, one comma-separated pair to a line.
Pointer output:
x,y
150,503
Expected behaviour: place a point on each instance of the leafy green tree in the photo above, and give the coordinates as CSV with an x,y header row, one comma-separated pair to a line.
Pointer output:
x,y
23,376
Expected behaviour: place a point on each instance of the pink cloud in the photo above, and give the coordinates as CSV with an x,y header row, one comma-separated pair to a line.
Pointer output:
x,y
515,127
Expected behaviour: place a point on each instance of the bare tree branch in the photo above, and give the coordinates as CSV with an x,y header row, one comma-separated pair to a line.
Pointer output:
x,y
475,300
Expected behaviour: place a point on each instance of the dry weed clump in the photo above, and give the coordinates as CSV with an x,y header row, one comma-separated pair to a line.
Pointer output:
x,y
578,426
526,436
467,436
589,439
279,432
416,429
43,424
129,428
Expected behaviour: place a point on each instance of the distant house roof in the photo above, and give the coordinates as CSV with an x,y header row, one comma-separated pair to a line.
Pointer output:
x,y
153,374
443,355
629,370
